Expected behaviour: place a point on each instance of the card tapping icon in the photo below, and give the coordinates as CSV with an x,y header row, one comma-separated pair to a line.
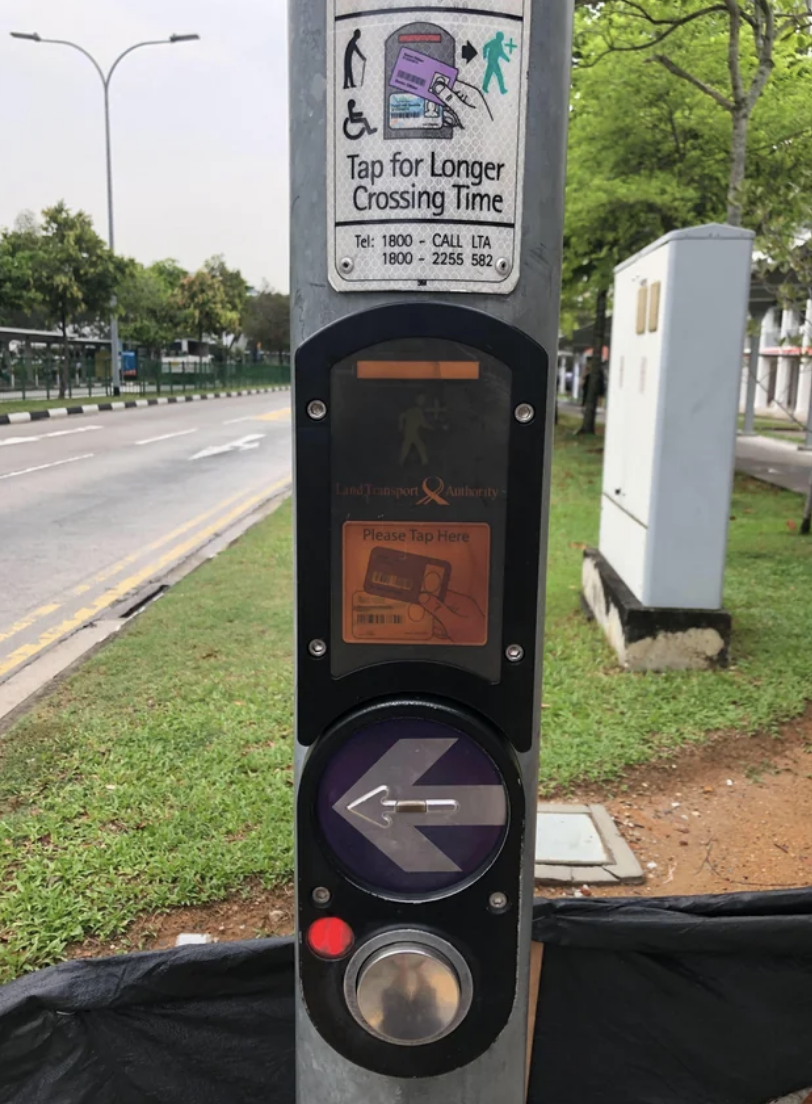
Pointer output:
x,y
420,61
404,576
395,594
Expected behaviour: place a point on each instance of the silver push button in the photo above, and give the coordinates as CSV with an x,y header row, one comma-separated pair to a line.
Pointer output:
x,y
408,988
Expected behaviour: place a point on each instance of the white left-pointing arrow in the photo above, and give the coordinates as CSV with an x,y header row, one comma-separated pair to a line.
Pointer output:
x,y
388,807
243,445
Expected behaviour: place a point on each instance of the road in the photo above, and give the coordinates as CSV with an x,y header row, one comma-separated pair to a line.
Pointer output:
x,y
94,507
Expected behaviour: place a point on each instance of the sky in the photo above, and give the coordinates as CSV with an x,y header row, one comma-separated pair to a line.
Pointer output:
x,y
199,129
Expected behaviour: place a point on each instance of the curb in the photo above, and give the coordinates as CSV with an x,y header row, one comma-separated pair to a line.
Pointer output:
x,y
22,416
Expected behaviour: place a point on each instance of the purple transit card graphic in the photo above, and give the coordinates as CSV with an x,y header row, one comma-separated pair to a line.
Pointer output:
x,y
416,73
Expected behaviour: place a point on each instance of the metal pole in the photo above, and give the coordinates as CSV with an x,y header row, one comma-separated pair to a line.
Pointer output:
x,y
324,1076
115,357
752,375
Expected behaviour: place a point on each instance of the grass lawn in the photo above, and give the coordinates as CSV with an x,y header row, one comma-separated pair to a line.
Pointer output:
x,y
160,774
80,399
765,424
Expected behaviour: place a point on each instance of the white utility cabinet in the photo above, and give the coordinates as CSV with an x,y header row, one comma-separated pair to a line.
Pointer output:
x,y
680,309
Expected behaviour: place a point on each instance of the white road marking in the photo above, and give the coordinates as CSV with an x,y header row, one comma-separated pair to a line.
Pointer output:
x,y
43,436
243,445
166,437
42,467
236,421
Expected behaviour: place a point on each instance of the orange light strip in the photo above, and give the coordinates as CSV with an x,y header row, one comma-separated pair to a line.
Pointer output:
x,y
419,369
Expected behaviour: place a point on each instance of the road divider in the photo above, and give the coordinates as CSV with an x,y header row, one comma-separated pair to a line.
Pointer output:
x,y
21,416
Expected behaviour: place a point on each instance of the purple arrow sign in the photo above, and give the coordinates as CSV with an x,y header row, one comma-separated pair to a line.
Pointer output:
x,y
413,805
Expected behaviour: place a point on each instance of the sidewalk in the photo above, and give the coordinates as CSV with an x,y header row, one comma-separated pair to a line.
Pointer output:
x,y
778,462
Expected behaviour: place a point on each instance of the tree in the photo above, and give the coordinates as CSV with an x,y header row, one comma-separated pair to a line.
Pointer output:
x,y
267,321
649,154
150,312
642,161
204,299
235,290
73,274
16,278
752,33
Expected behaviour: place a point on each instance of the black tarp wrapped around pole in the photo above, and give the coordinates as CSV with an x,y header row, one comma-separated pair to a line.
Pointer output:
x,y
693,1000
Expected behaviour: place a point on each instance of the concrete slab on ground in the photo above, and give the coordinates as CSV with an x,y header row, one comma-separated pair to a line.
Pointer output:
x,y
580,845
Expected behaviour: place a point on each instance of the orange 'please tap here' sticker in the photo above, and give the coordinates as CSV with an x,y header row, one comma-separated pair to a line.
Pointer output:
x,y
416,583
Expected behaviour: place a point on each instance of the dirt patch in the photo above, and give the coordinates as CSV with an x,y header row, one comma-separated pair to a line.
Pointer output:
x,y
256,913
730,816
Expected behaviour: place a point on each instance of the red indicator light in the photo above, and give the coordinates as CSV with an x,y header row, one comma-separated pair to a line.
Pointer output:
x,y
419,38
330,937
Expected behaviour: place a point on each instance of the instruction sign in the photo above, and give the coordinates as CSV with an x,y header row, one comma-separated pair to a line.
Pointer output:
x,y
420,432
426,110
417,582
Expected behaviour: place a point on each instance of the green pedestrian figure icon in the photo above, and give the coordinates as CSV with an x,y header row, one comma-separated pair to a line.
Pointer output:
x,y
494,55
412,423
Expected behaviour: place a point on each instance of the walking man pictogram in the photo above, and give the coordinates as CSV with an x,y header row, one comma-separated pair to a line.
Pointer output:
x,y
494,55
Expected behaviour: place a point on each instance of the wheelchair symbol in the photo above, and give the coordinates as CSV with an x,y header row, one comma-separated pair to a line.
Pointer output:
x,y
356,125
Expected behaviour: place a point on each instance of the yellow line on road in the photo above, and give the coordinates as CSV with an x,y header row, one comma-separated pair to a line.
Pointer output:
x,y
115,568
274,416
114,594
119,566
30,620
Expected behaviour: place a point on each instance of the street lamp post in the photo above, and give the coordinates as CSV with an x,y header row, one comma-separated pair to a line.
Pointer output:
x,y
114,350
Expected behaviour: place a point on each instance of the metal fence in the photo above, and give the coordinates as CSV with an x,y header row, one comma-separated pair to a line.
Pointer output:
x,y
87,379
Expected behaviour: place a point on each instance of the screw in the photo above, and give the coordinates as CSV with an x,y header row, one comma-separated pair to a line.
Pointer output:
x,y
322,896
503,266
514,653
317,648
317,410
524,413
498,902
346,265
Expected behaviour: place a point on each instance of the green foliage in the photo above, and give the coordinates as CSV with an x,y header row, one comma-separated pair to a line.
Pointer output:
x,y
204,298
18,295
58,274
74,274
234,287
650,152
150,311
267,320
